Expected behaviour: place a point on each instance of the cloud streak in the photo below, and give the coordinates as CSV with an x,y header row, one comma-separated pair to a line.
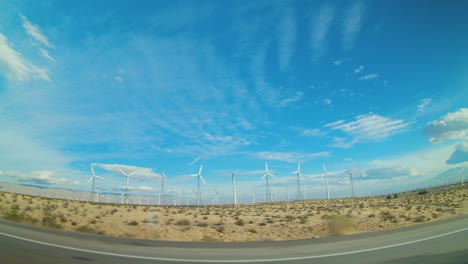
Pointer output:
x,y
369,76
16,66
369,127
287,37
320,27
35,32
291,157
352,23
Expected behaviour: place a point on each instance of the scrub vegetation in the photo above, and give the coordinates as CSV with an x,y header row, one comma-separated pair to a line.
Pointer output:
x,y
254,222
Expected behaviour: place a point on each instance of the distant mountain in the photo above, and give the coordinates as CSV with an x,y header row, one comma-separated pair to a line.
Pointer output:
x,y
449,176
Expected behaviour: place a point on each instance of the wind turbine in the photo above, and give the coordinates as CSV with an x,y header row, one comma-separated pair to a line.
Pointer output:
x,y
198,175
352,184
300,178
268,192
162,195
233,175
126,185
460,174
325,173
93,190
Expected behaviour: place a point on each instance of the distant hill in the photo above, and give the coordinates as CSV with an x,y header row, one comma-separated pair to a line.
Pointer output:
x,y
448,176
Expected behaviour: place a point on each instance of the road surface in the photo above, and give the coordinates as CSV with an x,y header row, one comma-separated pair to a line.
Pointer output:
x,y
445,241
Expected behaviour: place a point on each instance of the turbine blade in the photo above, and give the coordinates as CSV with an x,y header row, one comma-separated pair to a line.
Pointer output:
x,y
266,166
264,176
90,179
299,167
201,168
194,175
272,175
92,168
294,172
99,177
324,168
203,180
123,172
132,173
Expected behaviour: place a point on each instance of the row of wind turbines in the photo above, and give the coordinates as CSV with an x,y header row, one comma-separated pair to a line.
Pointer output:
x,y
200,179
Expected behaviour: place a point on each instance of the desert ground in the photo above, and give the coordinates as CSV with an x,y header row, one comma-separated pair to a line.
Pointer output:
x,y
229,223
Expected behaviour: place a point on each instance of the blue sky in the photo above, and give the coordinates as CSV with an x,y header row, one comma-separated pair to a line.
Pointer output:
x,y
379,88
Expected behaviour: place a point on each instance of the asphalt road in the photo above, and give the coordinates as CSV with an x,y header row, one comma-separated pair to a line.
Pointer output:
x,y
445,241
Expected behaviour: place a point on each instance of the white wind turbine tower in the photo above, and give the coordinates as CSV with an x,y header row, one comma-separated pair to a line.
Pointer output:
x,y
352,184
198,175
126,185
93,177
234,187
325,173
300,178
460,174
268,191
162,194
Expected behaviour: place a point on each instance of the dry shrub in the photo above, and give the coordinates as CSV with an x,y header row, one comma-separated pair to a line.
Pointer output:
x,y
339,225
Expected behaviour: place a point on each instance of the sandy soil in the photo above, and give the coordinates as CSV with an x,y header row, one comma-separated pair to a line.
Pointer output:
x,y
257,222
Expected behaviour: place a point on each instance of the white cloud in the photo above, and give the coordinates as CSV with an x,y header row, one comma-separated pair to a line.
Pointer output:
x,y
450,126
46,55
35,32
334,123
25,151
429,162
424,102
16,66
327,101
359,69
352,23
291,157
370,127
119,79
312,132
337,62
139,188
76,183
141,172
369,76
293,99
37,177
320,27
287,37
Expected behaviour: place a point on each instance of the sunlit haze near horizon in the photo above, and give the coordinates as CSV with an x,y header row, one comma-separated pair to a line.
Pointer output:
x,y
376,88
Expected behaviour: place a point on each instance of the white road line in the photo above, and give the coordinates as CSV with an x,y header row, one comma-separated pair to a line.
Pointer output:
x,y
231,261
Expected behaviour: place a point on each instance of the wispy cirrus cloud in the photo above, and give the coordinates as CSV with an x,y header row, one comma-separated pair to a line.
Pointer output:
x,y
359,69
44,53
287,38
424,102
35,32
337,62
369,76
290,157
369,127
320,25
16,66
352,23
293,99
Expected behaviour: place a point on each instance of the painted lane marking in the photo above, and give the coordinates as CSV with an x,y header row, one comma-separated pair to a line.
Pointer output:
x,y
230,261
